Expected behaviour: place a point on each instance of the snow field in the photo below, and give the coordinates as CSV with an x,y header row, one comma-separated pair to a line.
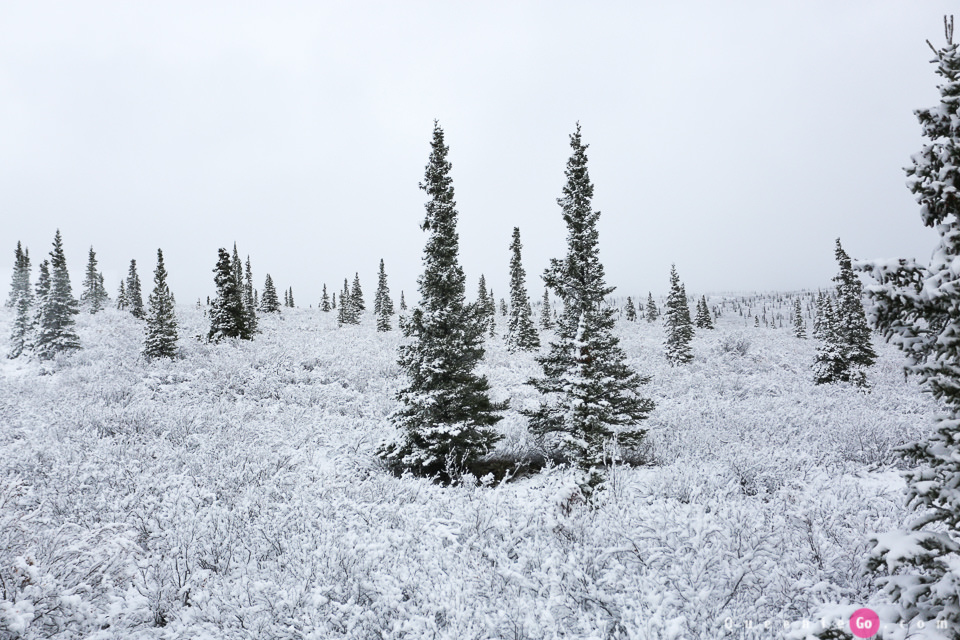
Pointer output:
x,y
234,493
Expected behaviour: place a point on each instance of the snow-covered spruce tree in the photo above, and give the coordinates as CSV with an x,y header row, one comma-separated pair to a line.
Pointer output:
x,y
546,317
269,303
830,364
446,417
93,297
591,394
226,316
403,302
56,308
703,321
917,308
504,310
652,312
22,298
333,301
122,296
679,327
630,312
325,300
134,297
851,319
161,339
290,298
799,328
16,282
382,304
357,295
521,333
348,312
249,304
40,296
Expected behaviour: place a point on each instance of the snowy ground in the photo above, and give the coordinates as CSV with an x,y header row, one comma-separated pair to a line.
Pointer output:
x,y
233,494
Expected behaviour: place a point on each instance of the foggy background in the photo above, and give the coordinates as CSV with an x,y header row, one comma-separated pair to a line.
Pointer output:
x,y
735,139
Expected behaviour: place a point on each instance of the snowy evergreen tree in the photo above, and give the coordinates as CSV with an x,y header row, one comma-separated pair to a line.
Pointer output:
x,y
41,294
92,297
16,282
357,295
703,321
382,304
325,300
831,364
799,328
591,394
269,303
679,327
403,302
917,308
22,297
630,312
56,308
851,319
161,339
446,417
227,316
134,297
249,303
546,317
652,312
122,303
504,310
348,312
521,333
333,302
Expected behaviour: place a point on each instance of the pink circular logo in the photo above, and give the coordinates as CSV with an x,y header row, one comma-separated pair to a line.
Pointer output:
x,y
864,623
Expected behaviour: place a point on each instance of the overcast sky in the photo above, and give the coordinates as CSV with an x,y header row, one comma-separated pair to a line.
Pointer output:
x,y
735,139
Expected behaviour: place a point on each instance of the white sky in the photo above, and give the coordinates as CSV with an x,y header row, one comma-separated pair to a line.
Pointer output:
x,y
736,139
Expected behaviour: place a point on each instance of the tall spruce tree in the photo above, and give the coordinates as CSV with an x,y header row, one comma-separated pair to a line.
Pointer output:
x,y
403,302
22,298
249,301
679,327
592,396
382,304
348,312
703,321
855,332
290,297
446,416
91,297
630,311
830,363
226,316
652,312
799,328
917,308
268,301
122,303
56,307
134,297
546,317
521,332
161,338
325,299
42,292
16,283
357,295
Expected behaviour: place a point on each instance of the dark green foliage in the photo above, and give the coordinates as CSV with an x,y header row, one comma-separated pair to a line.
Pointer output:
x,y
630,311
161,339
94,296
269,303
591,394
652,312
248,299
348,312
679,327
546,317
325,300
134,296
227,318
704,320
357,295
844,350
521,333
56,307
382,304
122,296
22,298
799,328
446,416
403,302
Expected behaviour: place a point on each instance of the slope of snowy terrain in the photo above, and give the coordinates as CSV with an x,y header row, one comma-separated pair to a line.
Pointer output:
x,y
233,493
